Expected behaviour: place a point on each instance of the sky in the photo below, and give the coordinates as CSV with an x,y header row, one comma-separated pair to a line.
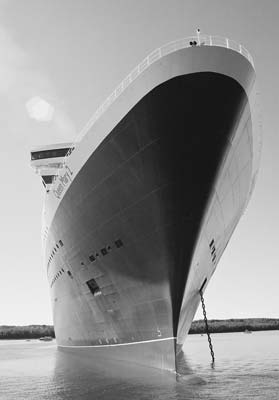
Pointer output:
x,y
72,54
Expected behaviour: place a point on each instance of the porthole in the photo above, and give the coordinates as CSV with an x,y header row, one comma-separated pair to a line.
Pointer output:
x,y
118,243
104,251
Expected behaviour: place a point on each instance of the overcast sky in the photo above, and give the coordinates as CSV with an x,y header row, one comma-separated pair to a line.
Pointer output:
x,y
72,54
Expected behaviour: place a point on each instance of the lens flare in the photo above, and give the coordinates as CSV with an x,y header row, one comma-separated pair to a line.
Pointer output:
x,y
39,109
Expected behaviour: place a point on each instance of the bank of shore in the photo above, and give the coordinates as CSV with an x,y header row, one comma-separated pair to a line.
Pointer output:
x,y
235,325
215,326
25,332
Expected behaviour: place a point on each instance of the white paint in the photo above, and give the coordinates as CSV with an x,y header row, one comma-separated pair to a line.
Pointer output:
x,y
121,344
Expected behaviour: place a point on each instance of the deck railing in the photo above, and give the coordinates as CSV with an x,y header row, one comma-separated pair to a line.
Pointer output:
x,y
201,40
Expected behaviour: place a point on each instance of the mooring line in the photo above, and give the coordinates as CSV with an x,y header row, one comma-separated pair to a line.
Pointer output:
x,y
207,328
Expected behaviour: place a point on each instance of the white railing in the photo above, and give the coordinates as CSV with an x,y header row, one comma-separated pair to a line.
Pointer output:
x,y
201,40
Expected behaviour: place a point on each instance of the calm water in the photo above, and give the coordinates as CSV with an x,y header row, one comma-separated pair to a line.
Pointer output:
x,y
247,367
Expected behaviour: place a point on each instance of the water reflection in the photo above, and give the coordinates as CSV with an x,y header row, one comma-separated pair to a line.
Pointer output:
x,y
84,377
38,371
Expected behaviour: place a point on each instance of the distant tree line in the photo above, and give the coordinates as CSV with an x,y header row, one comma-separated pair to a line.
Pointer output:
x,y
197,327
26,332
235,325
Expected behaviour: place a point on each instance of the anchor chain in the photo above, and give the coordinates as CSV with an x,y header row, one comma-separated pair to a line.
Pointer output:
x,y
207,328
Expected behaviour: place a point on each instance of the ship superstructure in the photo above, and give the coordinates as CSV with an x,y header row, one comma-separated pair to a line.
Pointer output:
x,y
143,205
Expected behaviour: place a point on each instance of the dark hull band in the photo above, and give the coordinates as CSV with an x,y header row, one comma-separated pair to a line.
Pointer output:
x,y
130,219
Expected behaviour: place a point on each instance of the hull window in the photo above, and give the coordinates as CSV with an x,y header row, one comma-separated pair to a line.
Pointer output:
x,y
92,258
118,243
93,286
212,250
53,153
104,251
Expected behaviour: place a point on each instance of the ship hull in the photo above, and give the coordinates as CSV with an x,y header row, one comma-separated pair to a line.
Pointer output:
x,y
136,228
159,353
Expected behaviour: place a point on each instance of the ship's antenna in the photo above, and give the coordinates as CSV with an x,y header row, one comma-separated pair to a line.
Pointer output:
x,y
198,34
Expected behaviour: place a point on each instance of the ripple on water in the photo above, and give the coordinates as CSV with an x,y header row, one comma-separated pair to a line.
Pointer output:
x,y
246,367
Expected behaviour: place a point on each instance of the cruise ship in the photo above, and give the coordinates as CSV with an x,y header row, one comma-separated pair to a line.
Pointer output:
x,y
139,209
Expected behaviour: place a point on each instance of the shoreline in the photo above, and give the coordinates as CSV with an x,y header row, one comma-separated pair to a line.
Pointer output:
x,y
25,332
197,327
235,325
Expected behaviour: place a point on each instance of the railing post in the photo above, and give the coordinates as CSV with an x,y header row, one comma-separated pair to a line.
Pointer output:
x,y
198,34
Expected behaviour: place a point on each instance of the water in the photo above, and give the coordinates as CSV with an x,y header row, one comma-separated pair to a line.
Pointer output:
x,y
247,367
